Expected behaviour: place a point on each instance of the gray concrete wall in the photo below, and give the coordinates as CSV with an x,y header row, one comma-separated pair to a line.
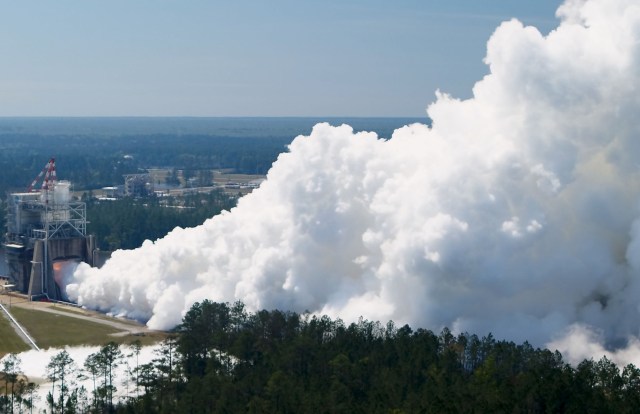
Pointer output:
x,y
77,248
35,281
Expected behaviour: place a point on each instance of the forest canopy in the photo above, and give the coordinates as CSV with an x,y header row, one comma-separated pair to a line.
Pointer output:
x,y
224,359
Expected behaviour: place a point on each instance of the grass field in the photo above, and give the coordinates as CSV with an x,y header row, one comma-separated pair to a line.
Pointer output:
x,y
9,340
50,330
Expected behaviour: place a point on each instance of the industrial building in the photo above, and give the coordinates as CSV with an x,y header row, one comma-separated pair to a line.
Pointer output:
x,y
46,237
138,185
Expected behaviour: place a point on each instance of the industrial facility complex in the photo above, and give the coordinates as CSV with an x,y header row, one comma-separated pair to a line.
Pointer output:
x,y
46,236
46,233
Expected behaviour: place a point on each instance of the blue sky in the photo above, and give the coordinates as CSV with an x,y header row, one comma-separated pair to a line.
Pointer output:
x,y
246,58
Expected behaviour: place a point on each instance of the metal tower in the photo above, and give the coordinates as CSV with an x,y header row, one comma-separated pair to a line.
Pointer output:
x,y
46,229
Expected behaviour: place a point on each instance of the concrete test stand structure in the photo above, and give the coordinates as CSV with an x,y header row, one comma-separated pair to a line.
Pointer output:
x,y
46,237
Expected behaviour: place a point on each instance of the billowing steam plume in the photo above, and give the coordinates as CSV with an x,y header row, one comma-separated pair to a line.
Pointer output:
x,y
517,212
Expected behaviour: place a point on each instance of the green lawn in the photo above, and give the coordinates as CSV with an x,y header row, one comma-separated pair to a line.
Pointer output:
x,y
50,330
9,340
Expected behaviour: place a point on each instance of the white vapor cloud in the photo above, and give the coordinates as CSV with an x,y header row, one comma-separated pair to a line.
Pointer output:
x,y
515,213
34,363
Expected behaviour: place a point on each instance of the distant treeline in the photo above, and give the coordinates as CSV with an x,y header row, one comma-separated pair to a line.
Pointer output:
x,y
224,359
126,223
91,152
212,126
93,162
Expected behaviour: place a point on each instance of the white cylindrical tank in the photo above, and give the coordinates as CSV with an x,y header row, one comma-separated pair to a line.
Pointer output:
x,y
61,193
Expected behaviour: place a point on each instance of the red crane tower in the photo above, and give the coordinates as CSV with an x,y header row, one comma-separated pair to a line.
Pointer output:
x,y
49,181
49,172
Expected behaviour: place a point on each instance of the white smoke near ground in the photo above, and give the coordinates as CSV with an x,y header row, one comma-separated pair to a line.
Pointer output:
x,y
582,342
516,212
34,363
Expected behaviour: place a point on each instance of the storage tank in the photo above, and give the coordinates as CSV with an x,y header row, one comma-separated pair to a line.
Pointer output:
x,y
61,192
